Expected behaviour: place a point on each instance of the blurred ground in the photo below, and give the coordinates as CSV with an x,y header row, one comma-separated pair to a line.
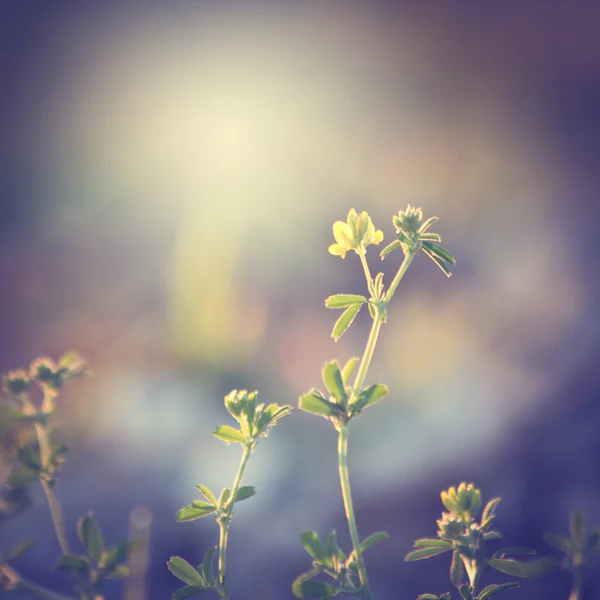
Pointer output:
x,y
169,176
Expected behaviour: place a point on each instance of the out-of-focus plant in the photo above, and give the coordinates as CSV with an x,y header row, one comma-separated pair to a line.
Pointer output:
x,y
30,445
254,420
581,551
460,533
345,400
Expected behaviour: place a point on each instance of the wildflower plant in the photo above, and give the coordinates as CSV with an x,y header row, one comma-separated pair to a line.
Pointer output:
x,y
466,537
254,420
38,456
344,399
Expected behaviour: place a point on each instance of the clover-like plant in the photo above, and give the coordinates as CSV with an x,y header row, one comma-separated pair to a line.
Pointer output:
x,y
255,421
344,399
37,456
461,533
581,551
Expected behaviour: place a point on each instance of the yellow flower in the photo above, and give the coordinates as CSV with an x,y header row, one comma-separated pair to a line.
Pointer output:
x,y
356,234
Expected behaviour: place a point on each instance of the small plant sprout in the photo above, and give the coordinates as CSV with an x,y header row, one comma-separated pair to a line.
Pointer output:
x,y
581,550
344,399
255,421
460,533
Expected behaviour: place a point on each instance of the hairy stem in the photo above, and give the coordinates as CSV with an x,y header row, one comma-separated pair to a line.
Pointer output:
x,y
408,257
348,506
45,452
225,519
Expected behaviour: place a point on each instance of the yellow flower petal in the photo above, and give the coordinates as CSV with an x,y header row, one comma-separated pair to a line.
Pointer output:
x,y
378,237
338,250
343,234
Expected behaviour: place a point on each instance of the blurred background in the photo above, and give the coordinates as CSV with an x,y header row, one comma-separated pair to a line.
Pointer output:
x,y
169,177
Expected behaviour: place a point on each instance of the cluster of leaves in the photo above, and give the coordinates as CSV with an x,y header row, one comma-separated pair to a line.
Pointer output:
x,y
98,564
330,559
343,402
460,533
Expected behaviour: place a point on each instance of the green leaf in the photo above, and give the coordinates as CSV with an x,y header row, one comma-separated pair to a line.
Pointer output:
x,y
577,528
332,378
489,512
349,367
246,491
465,592
91,537
20,477
224,497
559,542
424,553
430,237
427,224
188,591
206,567
373,539
229,434
119,554
440,252
492,535
18,551
344,300
432,543
493,589
533,569
503,552
428,597
119,572
456,569
389,248
370,396
439,262
313,589
317,405
312,544
196,510
75,565
345,321
185,572
207,494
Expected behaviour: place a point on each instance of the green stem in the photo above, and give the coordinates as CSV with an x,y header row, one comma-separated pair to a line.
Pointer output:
x,y
33,587
45,452
577,586
348,506
225,519
408,257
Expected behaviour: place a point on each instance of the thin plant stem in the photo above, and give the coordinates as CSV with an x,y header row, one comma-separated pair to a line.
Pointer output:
x,y
225,519
32,587
408,257
53,504
577,586
349,508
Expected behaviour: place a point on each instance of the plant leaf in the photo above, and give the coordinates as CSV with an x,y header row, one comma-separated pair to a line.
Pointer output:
x,y
246,491
559,542
493,589
312,544
20,477
342,324
533,569
370,396
503,552
440,252
185,572
188,591
229,434
91,537
196,510
75,565
424,553
319,406
348,368
432,543
456,569
332,378
389,248
207,494
373,539
489,512
465,592
313,589
344,300
207,563
428,597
